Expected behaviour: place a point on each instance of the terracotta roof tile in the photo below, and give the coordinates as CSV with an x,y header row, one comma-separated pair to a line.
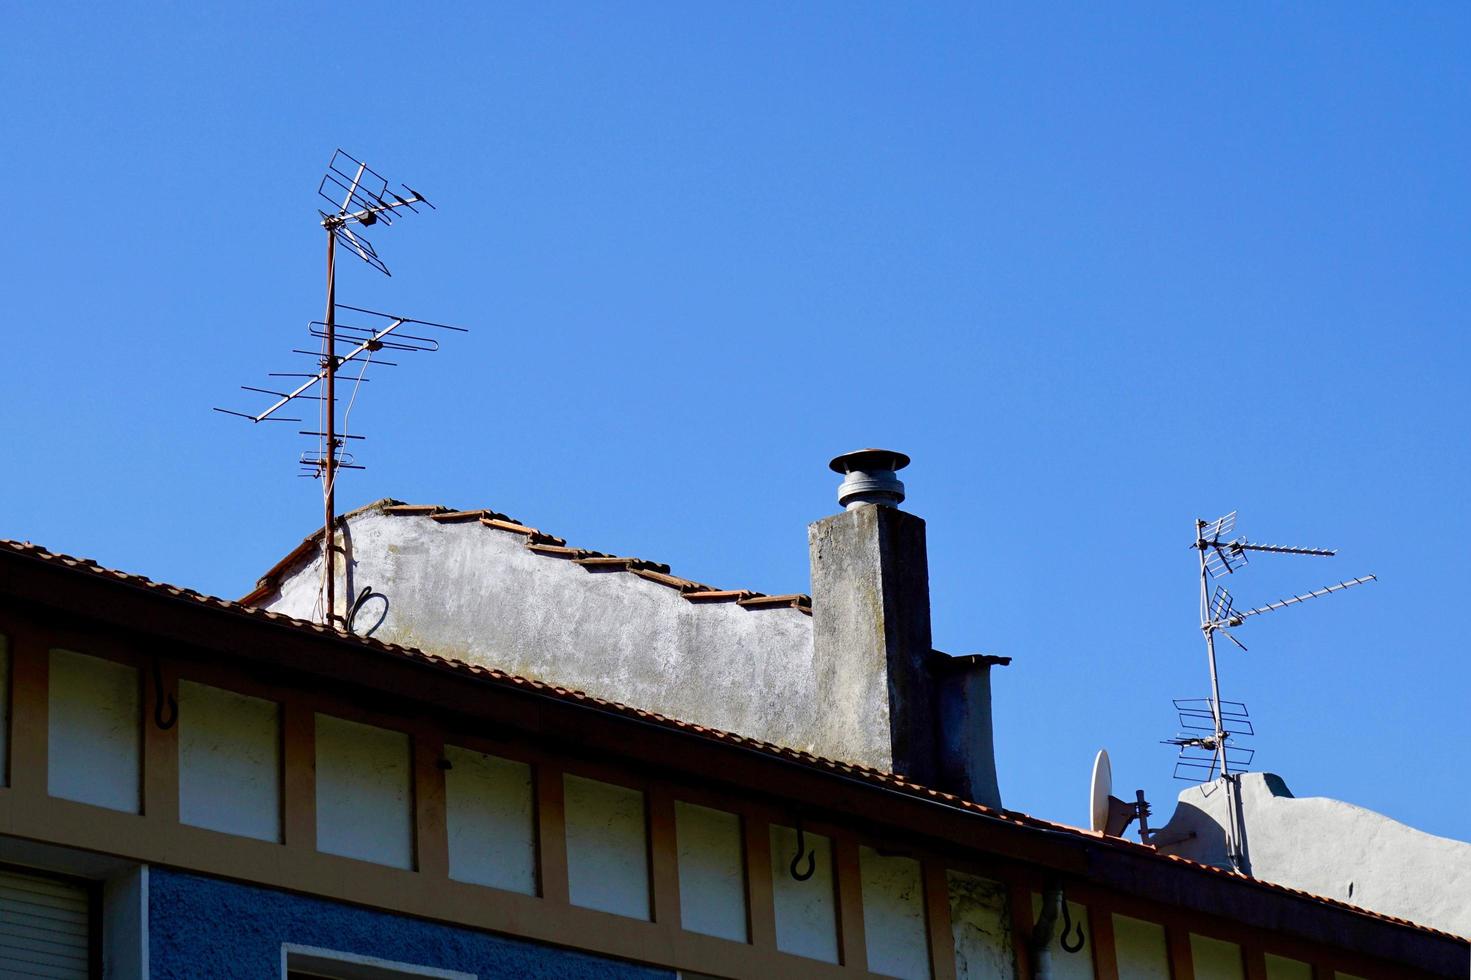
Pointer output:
x,y
719,595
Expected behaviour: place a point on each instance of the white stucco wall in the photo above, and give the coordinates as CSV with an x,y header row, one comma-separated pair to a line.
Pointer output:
x,y
712,874
980,922
1334,849
490,819
94,752
478,594
893,915
1216,959
806,911
229,762
607,847
365,797
1142,949
1282,968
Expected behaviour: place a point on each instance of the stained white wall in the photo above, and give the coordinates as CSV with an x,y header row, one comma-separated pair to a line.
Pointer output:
x,y
229,762
1142,950
1281,968
95,738
806,911
980,921
4,710
893,915
364,792
1065,965
1216,959
712,872
607,847
490,818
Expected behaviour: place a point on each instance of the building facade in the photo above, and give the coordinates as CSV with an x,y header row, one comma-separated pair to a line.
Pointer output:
x,y
201,788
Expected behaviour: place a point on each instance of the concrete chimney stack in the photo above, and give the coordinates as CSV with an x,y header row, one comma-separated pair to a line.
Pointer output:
x,y
888,699
871,623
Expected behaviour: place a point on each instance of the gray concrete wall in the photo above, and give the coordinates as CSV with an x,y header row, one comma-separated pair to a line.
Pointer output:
x,y
871,646
1333,849
478,594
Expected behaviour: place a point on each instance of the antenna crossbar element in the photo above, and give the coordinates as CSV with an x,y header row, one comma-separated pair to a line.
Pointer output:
x,y
1282,549
366,341
1294,600
360,196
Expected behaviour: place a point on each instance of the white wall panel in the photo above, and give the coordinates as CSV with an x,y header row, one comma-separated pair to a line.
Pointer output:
x,y
1281,968
607,847
490,818
365,802
980,922
1142,949
806,911
893,915
229,762
95,739
712,871
1216,959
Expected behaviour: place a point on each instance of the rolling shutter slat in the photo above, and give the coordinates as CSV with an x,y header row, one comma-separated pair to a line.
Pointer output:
x,y
44,929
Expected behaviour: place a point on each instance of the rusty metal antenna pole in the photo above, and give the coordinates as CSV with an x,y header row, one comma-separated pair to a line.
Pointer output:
x,y
329,366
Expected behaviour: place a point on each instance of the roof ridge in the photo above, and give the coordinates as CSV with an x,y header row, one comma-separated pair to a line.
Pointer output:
x,y
543,544
889,780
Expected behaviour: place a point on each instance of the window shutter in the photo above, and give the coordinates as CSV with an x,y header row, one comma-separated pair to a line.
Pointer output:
x,y
43,928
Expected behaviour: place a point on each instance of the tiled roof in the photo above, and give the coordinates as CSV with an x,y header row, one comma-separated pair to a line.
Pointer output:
x,y
886,780
540,543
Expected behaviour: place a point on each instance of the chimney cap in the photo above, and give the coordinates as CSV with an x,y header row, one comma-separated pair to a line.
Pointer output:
x,y
869,478
869,460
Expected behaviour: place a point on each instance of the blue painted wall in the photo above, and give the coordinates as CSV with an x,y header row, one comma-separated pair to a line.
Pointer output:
x,y
202,927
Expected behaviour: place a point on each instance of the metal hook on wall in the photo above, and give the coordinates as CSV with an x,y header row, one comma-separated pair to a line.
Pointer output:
x,y
159,698
802,852
1067,927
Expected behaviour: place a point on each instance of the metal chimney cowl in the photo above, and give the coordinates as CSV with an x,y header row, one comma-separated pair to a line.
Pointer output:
x,y
870,478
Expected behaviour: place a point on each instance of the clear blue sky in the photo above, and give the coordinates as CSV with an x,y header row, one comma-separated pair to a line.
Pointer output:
x,y
1100,270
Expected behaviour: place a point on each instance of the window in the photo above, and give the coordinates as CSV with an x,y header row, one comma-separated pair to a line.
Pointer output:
x,y
313,963
46,927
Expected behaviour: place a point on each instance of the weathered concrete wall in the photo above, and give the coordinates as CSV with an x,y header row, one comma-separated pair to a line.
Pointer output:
x,y
872,646
1333,849
478,594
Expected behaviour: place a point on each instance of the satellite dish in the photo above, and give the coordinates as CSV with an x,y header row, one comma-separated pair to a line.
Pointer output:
x,y
1100,793
1107,814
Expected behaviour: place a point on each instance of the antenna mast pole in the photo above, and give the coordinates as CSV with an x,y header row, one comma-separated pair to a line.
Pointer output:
x,y
329,366
1207,626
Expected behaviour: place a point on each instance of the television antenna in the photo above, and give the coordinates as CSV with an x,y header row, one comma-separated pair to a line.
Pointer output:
x,y
1205,747
360,198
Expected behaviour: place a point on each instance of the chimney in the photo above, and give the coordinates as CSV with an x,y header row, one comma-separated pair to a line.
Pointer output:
x,y
888,699
871,623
